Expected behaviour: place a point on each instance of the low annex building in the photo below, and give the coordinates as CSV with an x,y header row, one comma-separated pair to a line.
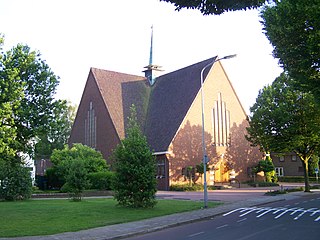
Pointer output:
x,y
169,112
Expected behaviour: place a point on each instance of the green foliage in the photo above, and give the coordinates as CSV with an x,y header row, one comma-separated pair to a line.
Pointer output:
x,y
101,180
15,182
283,191
313,164
46,217
29,112
284,119
54,179
293,28
76,176
267,167
186,187
200,168
296,179
216,6
135,183
93,159
29,82
57,132
262,184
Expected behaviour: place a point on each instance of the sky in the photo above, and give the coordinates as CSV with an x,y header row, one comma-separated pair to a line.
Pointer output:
x,y
74,35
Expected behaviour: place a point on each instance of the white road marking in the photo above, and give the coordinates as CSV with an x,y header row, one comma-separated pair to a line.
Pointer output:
x,y
243,219
284,212
278,211
295,211
226,225
303,212
250,211
195,234
238,209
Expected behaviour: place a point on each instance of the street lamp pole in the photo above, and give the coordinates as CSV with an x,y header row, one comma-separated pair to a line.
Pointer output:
x,y
204,150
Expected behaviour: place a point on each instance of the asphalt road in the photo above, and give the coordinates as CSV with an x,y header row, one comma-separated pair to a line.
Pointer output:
x,y
294,219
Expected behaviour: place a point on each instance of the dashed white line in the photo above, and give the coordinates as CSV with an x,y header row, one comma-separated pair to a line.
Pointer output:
x,y
195,234
241,220
226,225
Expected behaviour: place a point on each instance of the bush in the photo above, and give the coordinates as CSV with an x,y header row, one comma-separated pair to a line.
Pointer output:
x,y
76,178
101,180
91,159
53,179
284,191
297,179
186,187
15,182
135,182
263,184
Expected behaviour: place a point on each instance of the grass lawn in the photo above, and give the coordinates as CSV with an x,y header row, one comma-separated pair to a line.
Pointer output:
x,y
45,217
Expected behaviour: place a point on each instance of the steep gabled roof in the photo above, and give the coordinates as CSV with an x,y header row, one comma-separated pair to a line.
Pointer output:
x,y
170,99
119,91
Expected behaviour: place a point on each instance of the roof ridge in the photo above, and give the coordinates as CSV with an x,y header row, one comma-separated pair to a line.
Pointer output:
x,y
116,72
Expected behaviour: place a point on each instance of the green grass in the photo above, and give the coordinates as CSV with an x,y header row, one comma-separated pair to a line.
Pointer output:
x,y
45,217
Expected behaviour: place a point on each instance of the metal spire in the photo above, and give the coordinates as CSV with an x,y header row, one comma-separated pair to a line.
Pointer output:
x,y
152,71
151,47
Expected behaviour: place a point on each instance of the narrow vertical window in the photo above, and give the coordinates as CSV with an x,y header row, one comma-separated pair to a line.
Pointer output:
x,y
90,127
220,123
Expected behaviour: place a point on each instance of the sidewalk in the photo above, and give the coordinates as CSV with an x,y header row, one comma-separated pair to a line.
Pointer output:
x,y
133,228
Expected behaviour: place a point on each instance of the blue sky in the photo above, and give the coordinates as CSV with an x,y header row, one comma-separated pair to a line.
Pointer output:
x,y
74,35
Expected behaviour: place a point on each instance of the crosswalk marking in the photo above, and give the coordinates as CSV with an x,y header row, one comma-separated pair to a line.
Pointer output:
x,y
278,212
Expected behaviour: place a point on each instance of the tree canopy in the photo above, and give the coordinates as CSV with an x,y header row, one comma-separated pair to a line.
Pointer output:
x,y
29,113
56,133
216,7
284,120
293,28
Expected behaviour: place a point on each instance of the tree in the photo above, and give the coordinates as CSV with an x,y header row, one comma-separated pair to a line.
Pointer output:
x,y
10,93
27,87
57,132
216,6
267,167
284,119
200,168
293,28
135,182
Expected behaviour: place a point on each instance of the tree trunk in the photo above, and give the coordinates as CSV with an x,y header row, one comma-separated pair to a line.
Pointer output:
x,y
306,174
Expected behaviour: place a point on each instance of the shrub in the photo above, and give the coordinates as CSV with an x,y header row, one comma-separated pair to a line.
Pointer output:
x,y
76,178
101,180
296,179
263,184
92,161
54,180
15,182
267,167
135,182
186,187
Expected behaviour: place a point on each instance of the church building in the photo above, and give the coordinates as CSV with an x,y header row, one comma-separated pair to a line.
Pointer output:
x,y
173,118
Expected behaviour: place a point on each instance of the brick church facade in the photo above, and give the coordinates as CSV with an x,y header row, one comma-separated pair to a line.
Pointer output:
x,y
169,111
